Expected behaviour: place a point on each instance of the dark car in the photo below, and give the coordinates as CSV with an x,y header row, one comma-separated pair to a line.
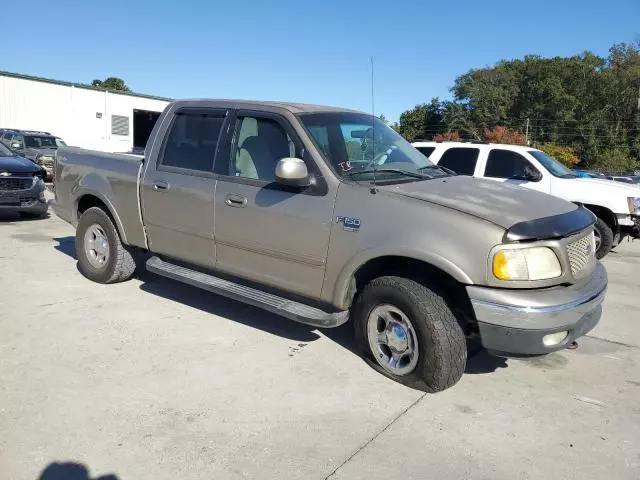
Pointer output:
x,y
39,147
21,185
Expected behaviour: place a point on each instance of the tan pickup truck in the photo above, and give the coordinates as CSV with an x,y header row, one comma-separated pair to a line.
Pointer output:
x,y
325,215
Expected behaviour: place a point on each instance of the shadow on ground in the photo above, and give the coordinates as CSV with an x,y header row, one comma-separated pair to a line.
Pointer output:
x,y
70,471
66,245
15,217
479,361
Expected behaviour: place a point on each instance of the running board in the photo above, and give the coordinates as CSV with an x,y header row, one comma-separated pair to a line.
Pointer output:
x,y
280,306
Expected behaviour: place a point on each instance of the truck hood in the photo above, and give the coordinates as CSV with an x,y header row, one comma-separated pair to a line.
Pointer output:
x,y
35,152
609,186
18,165
499,203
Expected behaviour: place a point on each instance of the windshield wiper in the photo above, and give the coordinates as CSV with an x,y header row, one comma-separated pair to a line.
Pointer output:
x,y
569,175
444,169
408,173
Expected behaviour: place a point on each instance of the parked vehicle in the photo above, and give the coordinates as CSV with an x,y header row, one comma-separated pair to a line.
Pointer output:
x,y
616,206
39,147
21,185
322,214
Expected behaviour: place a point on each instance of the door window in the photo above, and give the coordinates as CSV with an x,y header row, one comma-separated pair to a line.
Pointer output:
x,y
506,164
460,159
192,140
259,143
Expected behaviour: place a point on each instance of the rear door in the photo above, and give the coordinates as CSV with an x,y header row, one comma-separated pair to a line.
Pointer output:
x,y
178,188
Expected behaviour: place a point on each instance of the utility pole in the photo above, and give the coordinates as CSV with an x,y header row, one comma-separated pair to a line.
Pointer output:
x,y
527,127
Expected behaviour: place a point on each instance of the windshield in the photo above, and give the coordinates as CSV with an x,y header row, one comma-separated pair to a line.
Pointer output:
x,y
554,167
60,142
354,144
37,141
5,152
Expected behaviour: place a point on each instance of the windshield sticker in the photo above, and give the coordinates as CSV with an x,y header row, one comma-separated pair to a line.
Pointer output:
x,y
345,166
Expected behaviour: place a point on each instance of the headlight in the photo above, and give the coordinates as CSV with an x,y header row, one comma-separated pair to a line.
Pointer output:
x,y
36,180
634,205
536,263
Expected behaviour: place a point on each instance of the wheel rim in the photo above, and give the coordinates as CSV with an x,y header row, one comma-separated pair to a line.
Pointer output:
x,y
598,239
96,246
392,339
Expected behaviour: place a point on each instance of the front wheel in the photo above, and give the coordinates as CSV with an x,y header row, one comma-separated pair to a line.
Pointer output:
x,y
604,238
101,255
407,332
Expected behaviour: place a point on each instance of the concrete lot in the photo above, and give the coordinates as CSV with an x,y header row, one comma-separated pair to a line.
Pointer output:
x,y
155,380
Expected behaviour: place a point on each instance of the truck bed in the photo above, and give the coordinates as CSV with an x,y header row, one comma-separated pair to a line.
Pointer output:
x,y
112,177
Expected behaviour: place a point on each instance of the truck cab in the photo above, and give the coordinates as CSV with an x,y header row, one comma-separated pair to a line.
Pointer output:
x,y
616,205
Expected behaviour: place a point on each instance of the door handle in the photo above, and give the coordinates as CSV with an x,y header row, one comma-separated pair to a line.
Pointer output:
x,y
234,200
160,186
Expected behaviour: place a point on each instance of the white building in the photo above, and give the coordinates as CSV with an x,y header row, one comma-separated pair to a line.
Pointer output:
x,y
81,115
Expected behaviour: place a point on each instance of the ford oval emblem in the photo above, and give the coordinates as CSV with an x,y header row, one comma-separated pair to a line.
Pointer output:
x,y
5,174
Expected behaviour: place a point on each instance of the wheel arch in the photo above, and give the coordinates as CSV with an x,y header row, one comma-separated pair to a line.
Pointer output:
x,y
371,264
605,214
90,199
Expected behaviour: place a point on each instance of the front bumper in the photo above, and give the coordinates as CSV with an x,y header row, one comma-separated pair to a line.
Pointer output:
x,y
30,200
516,321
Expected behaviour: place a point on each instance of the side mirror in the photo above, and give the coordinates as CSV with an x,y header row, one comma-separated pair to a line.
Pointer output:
x,y
292,172
531,174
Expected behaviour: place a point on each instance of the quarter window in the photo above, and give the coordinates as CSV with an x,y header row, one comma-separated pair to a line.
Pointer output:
x,y
426,151
506,164
461,160
192,140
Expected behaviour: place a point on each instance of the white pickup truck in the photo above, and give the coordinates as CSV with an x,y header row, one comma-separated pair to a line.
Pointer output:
x,y
616,205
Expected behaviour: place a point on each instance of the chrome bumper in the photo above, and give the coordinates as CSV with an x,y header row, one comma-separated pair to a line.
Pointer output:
x,y
516,321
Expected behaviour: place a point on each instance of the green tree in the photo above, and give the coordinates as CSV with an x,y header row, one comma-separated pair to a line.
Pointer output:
x,y
111,83
422,122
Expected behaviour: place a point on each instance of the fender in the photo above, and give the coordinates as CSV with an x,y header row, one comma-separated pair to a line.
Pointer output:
x,y
94,185
341,287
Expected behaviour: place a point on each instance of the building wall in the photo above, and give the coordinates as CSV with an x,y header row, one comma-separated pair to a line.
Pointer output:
x,y
80,116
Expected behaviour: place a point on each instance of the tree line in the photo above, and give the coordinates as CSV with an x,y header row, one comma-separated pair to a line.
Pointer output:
x,y
583,109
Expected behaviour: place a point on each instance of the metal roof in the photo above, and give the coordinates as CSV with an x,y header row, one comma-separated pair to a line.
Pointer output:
x,y
248,104
80,85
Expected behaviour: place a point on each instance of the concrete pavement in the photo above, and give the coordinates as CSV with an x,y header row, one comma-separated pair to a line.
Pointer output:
x,y
154,379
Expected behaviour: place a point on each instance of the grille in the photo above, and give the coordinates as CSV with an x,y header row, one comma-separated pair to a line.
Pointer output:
x,y
581,253
15,183
46,161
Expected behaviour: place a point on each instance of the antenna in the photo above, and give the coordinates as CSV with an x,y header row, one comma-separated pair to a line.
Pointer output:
x,y
373,133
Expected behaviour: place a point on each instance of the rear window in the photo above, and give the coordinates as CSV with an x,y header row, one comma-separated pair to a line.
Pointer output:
x,y
192,140
460,159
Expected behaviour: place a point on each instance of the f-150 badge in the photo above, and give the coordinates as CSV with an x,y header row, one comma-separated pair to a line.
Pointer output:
x,y
349,224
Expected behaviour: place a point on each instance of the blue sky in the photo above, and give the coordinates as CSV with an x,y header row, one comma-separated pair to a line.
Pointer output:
x,y
305,50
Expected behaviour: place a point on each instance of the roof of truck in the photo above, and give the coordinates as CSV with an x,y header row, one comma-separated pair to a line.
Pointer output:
x,y
291,106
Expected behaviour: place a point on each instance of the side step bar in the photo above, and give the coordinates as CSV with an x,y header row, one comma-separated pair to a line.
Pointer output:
x,y
280,306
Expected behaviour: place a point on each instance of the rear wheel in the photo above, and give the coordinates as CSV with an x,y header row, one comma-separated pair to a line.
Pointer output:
x,y
604,238
406,331
101,255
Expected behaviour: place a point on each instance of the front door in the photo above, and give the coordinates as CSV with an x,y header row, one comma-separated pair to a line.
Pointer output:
x,y
508,166
177,190
264,231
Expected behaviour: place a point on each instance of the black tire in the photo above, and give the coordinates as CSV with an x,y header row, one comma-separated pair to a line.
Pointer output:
x,y
441,342
120,264
606,238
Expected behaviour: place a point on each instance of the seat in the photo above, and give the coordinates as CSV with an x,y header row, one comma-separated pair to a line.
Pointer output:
x,y
255,160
